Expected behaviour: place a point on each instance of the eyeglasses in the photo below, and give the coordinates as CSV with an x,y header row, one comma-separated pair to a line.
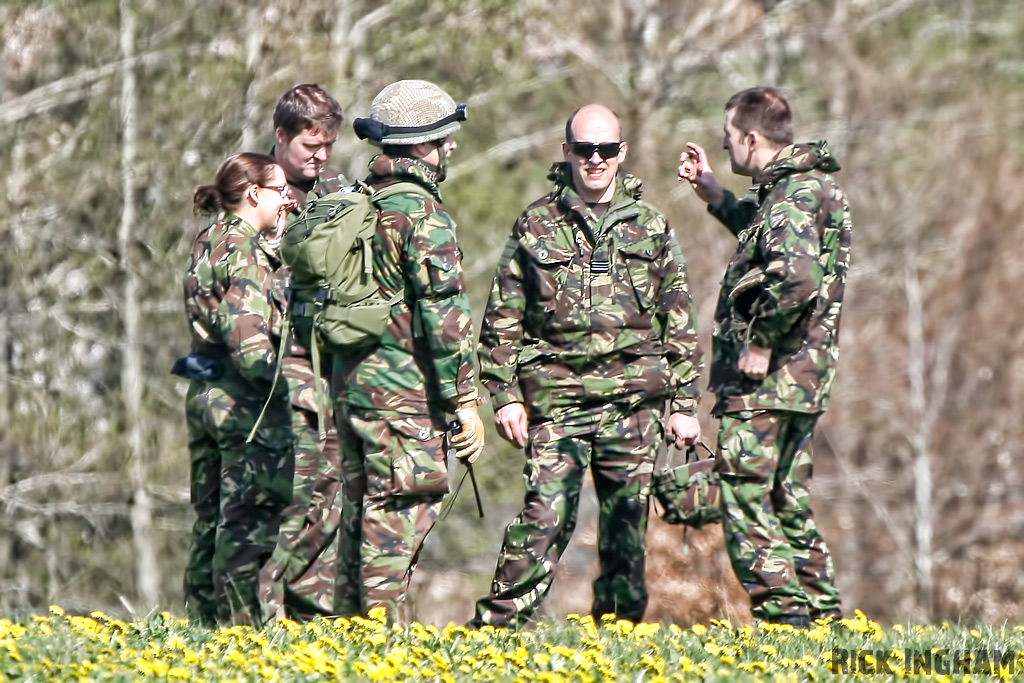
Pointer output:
x,y
280,189
585,150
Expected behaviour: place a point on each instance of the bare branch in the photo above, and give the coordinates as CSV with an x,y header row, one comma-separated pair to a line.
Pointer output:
x,y
894,529
884,14
66,90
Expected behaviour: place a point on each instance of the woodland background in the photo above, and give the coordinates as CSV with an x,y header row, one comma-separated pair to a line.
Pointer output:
x,y
112,112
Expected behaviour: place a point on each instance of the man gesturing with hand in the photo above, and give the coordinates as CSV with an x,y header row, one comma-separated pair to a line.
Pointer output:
x,y
776,342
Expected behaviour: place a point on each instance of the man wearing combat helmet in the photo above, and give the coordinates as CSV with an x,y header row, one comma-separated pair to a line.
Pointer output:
x,y
392,400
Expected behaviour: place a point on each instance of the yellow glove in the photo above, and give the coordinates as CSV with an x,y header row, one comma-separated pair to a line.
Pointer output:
x,y
469,442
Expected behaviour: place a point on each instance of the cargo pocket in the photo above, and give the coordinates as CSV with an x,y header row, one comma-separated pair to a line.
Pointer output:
x,y
548,269
354,326
418,463
262,473
749,296
639,258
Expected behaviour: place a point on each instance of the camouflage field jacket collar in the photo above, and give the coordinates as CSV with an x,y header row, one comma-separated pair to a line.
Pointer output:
x,y
384,168
232,222
229,221
799,158
627,191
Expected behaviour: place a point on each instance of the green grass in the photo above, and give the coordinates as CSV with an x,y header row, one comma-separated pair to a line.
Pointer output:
x,y
164,648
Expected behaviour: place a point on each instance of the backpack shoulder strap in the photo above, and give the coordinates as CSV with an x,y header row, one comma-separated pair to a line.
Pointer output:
x,y
402,187
343,193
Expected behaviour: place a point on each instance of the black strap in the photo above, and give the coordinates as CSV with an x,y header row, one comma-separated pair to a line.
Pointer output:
x,y
378,130
450,503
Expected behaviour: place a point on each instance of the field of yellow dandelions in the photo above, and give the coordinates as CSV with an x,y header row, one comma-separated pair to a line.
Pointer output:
x,y
62,647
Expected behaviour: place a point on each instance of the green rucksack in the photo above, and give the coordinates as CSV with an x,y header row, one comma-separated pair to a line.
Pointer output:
x,y
334,302
333,299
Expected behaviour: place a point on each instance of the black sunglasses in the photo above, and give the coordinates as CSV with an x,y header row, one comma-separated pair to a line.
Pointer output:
x,y
605,150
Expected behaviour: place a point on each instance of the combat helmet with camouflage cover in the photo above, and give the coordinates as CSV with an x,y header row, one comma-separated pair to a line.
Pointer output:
x,y
409,112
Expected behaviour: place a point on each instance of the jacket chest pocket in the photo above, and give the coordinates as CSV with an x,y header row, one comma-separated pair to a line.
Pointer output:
x,y
640,260
547,269
749,247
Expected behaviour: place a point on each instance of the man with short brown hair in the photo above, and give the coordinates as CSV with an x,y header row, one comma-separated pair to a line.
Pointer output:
x,y
776,342
299,580
306,124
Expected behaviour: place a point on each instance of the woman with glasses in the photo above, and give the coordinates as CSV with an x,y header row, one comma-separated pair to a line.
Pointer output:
x,y
241,473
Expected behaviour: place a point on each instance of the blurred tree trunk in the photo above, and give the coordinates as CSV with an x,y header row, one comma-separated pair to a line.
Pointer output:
x,y
252,123
7,445
928,368
147,574
353,67
6,306
922,469
8,299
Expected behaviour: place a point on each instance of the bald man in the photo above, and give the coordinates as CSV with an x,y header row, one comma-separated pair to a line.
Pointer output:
x,y
589,351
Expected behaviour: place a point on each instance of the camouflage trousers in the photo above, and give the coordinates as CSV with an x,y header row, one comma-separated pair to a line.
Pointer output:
x,y
618,443
298,581
395,475
238,491
765,468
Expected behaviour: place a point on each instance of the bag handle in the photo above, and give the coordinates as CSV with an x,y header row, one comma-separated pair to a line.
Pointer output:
x,y
691,453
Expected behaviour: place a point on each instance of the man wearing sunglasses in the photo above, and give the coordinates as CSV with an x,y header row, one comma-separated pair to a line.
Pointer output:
x,y
588,332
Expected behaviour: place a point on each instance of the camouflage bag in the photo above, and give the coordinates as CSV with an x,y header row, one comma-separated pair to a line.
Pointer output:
x,y
334,302
689,494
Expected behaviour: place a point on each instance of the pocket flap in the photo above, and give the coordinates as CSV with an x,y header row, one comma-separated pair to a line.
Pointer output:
x,y
443,273
648,249
419,428
548,255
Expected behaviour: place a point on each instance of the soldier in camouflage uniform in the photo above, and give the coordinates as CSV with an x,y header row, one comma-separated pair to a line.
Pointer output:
x,y
391,400
298,582
589,330
240,485
775,349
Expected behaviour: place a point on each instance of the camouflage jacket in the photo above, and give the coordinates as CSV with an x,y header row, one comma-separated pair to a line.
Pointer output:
x,y
424,360
783,289
232,300
297,366
588,308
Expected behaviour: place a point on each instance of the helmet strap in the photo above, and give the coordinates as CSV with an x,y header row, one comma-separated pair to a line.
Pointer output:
x,y
440,171
442,153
